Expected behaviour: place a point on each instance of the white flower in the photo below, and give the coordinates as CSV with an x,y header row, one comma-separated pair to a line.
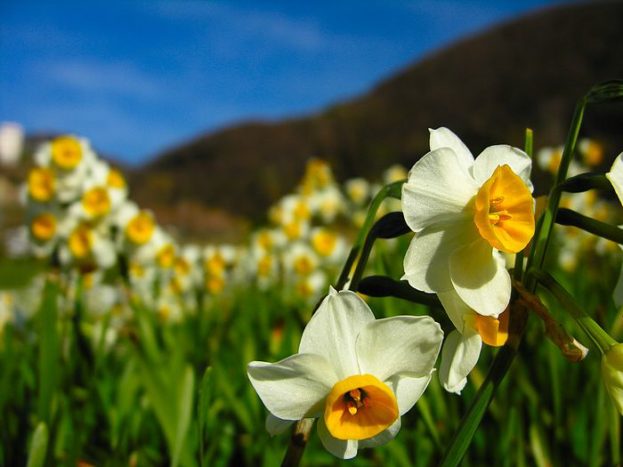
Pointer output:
x,y
357,374
328,203
616,176
70,158
464,212
328,244
462,347
358,190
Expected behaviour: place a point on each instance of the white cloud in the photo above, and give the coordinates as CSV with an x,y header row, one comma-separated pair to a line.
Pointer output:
x,y
251,24
92,76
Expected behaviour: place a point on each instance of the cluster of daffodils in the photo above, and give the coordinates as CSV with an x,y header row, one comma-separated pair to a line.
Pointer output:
x,y
306,241
575,243
358,375
79,217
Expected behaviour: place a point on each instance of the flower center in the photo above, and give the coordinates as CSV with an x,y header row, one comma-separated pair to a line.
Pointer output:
x,y
43,227
80,241
166,256
360,407
66,152
303,265
115,179
504,211
324,242
140,228
96,202
41,184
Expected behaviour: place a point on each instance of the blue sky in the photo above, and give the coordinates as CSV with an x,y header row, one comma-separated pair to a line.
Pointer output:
x,y
136,77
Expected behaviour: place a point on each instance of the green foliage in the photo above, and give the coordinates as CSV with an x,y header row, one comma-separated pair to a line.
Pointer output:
x,y
177,394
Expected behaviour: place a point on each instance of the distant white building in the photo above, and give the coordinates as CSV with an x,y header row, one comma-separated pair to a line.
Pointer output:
x,y
11,143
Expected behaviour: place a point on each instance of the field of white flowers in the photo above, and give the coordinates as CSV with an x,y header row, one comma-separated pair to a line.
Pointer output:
x,y
437,315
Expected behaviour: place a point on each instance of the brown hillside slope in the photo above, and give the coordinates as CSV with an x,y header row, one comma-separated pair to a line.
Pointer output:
x,y
487,88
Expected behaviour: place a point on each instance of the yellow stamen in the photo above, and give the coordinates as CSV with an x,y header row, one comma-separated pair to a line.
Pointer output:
x,y
140,229
303,265
66,152
41,184
215,284
43,227
96,202
215,265
594,154
504,211
265,266
80,241
360,407
115,179
166,256
324,242
302,211
292,230
181,267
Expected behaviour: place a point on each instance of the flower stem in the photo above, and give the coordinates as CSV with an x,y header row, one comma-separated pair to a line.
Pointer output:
x,y
298,441
600,338
392,190
545,225
569,217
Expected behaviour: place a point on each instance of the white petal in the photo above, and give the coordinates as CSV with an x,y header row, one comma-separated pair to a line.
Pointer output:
x,y
458,357
445,138
427,261
344,449
387,347
408,388
480,278
275,425
332,331
456,309
501,154
294,387
383,437
438,190
616,176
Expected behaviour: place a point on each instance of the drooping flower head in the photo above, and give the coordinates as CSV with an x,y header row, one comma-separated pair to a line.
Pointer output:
x,y
461,348
465,212
356,374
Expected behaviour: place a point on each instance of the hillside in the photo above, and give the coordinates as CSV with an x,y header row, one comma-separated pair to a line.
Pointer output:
x,y
487,88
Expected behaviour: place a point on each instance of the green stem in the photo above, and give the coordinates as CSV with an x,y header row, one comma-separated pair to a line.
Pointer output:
x,y
569,217
545,225
392,190
500,366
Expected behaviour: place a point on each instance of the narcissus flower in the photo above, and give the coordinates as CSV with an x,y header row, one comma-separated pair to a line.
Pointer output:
x,y
356,374
465,212
462,347
616,176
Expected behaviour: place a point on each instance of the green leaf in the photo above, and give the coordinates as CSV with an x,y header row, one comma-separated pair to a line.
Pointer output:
x,y
205,399
39,446
184,412
49,351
